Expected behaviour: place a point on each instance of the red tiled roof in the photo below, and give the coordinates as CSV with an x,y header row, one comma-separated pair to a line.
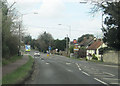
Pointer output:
x,y
96,44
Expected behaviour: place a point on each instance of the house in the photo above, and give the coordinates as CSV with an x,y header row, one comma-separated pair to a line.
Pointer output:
x,y
93,49
86,42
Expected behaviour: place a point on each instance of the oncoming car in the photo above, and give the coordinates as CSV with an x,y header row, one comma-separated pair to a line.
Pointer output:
x,y
36,54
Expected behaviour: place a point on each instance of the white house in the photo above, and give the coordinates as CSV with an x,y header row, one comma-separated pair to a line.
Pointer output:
x,y
94,49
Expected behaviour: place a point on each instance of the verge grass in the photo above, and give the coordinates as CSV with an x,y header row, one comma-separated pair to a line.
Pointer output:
x,y
19,74
11,60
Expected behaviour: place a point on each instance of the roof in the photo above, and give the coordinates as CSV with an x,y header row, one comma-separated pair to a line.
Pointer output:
x,y
96,44
86,42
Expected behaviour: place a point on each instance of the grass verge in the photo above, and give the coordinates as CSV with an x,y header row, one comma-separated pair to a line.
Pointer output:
x,y
11,60
19,74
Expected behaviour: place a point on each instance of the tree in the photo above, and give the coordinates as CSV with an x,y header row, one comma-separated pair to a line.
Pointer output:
x,y
60,44
112,22
9,37
27,39
112,25
44,41
85,36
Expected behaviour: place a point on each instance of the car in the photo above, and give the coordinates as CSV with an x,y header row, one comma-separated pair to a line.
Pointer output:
x,y
36,53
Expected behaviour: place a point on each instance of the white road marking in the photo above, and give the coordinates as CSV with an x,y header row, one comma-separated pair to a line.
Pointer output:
x,y
85,73
47,63
100,81
80,69
68,63
109,73
115,83
111,78
69,70
77,65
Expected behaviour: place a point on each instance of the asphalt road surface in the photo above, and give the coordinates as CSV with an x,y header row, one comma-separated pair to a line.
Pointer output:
x,y
57,69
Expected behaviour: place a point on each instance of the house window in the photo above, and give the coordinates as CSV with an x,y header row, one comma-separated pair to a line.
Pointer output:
x,y
95,51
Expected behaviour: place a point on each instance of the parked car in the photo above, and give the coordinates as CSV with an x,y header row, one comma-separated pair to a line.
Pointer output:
x,y
36,53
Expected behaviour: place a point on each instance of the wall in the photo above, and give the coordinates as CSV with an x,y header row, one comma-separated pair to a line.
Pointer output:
x,y
111,56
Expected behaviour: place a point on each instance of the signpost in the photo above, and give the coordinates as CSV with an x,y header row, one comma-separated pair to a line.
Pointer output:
x,y
27,48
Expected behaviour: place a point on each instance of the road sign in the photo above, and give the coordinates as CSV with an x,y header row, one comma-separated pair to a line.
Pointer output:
x,y
49,48
27,47
74,41
76,47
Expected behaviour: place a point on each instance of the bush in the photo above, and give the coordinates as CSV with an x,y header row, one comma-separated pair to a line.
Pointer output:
x,y
94,57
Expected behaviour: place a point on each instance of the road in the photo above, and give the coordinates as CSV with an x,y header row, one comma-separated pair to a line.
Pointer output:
x,y
56,69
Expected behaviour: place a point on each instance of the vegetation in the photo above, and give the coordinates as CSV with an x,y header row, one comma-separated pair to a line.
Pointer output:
x,y
112,30
94,57
44,41
10,60
28,40
10,40
18,74
71,49
112,25
80,39
59,44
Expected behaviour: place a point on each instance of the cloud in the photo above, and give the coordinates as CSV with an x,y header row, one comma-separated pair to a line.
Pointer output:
x,y
51,8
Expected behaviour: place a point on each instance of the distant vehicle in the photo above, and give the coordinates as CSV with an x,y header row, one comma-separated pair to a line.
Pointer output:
x,y
36,53
27,48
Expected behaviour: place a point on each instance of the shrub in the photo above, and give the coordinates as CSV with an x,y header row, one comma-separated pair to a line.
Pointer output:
x,y
94,57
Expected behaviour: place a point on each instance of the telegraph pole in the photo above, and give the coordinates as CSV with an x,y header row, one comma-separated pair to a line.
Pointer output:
x,y
67,44
19,53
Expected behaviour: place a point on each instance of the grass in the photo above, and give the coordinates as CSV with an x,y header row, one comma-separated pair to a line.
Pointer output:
x,y
11,60
19,74
81,59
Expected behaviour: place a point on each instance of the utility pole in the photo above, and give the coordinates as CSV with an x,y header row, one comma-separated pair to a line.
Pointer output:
x,y
67,44
19,53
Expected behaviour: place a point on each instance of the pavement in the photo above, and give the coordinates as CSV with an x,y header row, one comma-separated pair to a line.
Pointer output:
x,y
13,66
56,69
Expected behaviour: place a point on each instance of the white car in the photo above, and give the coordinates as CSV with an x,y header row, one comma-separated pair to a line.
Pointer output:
x,y
36,53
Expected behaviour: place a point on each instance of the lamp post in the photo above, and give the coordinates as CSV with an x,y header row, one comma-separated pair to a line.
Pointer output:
x,y
19,52
67,39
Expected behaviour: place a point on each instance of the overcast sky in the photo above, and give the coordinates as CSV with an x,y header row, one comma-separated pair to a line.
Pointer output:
x,y
68,13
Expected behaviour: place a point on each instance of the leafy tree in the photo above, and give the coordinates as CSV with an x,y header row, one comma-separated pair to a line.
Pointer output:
x,y
9,37
71,49
60,44
27,39
44,41
112,30
85,36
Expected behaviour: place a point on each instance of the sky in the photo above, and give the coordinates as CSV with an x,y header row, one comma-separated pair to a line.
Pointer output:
x,y
58,17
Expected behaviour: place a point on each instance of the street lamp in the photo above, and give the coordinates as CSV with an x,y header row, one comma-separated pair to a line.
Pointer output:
x,y
67,36
19,52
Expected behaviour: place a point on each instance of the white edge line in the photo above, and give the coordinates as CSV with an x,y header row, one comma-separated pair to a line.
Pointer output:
x,y
85,73
100,81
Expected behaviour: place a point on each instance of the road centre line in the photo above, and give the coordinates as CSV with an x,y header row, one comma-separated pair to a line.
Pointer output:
x,y
85,73
100,81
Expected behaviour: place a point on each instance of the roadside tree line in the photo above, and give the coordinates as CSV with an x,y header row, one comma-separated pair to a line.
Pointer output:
x,y
10,32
